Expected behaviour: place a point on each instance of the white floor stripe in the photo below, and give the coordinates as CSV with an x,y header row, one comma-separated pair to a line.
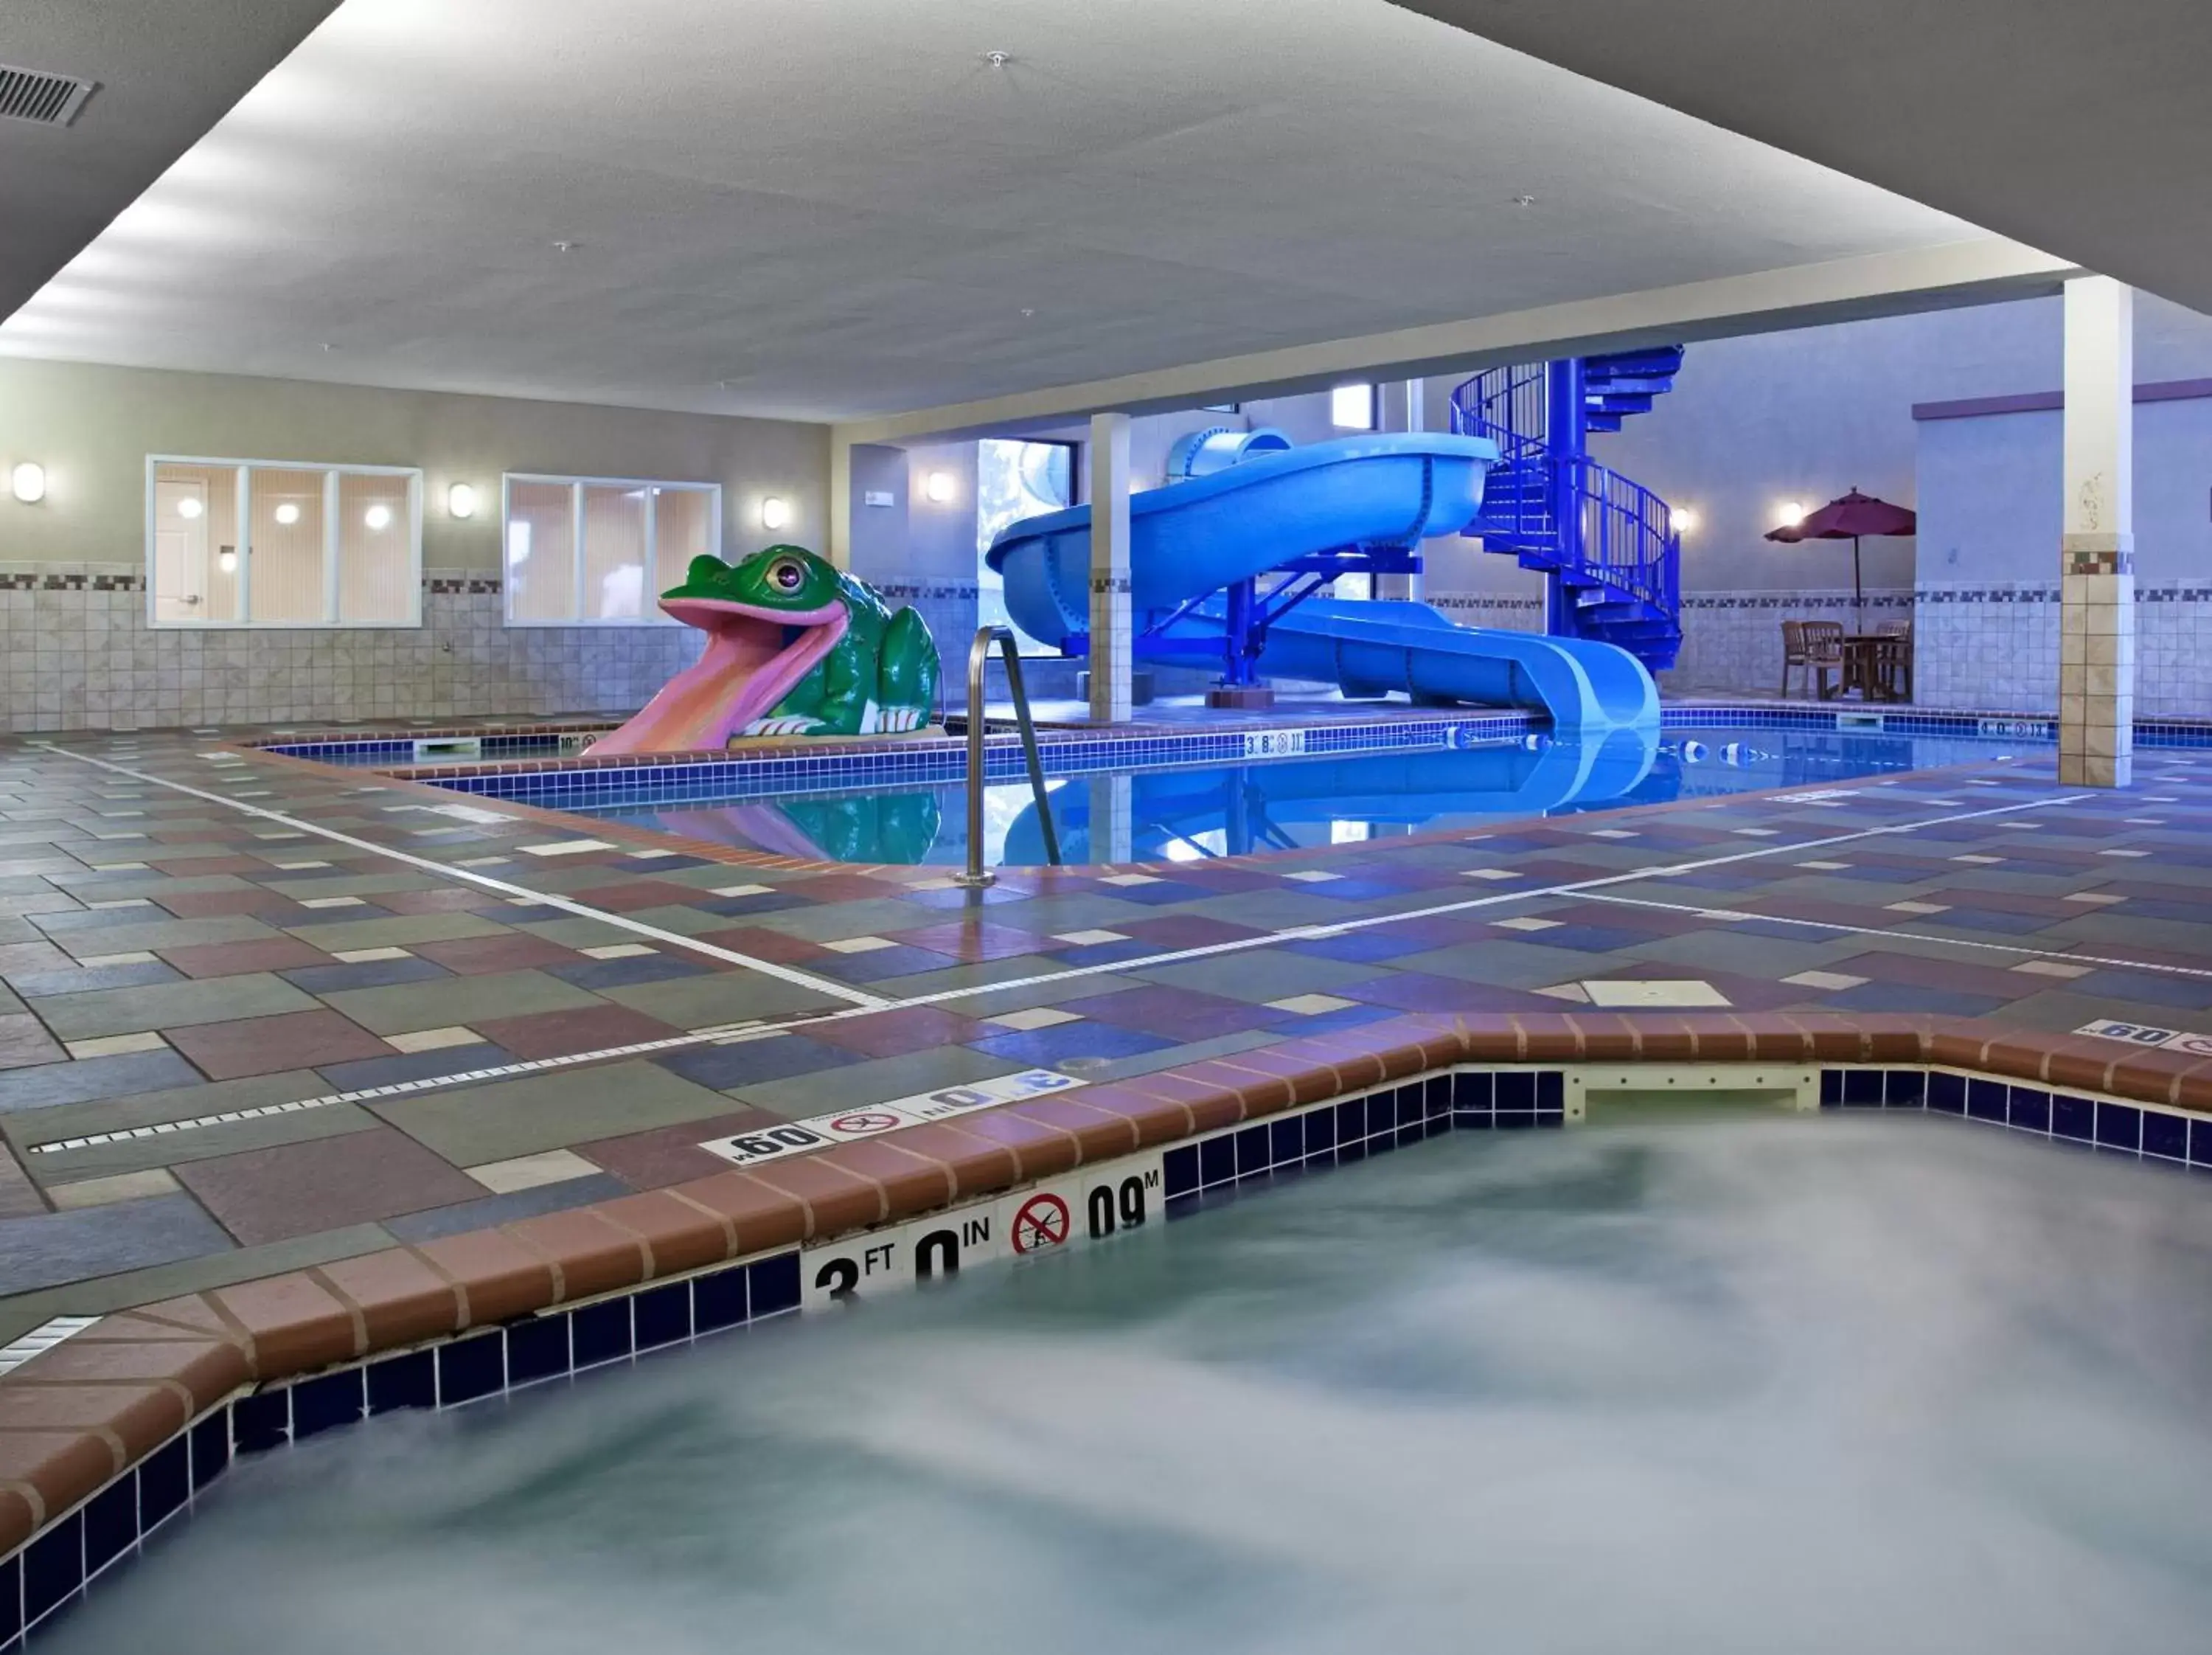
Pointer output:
x,y
1747,914
690,945
1578,887
1296,934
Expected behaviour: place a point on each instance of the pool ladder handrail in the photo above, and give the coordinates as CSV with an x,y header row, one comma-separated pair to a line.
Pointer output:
x,y
976,876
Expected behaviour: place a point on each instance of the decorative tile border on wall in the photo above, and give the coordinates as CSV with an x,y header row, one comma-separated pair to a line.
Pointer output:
x,y
107,1434
1507,613
76,652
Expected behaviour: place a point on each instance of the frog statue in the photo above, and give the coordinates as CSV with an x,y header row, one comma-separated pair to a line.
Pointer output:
x,y
794,647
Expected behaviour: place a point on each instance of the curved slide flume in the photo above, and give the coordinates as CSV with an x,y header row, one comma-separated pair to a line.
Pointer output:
x,y
1192,539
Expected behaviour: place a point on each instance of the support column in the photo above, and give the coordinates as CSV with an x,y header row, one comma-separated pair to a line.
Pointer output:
x,y
2097,613
1566,438
1110,701
1408,586
839,552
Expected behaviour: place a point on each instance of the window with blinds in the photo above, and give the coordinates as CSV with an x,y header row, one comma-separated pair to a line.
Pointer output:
x,y
265,543
596,550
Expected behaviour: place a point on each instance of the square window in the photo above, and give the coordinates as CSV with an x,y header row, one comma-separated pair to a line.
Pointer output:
x,y
1352,407
262,544
284,556
541,551
377,585
191,549
614,554
598,551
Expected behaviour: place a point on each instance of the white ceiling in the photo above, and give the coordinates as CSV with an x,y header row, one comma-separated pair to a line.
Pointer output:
x,y
839,208
167,70
2085,129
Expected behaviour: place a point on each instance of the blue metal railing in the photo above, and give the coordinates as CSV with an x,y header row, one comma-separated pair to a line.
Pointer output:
x,y
1627,540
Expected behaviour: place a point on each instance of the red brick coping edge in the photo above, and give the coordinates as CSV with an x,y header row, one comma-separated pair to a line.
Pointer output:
x,y
79,1414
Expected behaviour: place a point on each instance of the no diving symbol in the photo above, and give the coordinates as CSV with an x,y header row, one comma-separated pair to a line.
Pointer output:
x,y
860,1125
1041,1223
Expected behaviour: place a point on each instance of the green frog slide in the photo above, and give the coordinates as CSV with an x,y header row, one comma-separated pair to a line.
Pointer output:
x,y
794,647
1192,541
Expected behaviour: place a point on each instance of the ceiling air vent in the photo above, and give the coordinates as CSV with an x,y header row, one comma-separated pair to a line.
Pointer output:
x,y
31,95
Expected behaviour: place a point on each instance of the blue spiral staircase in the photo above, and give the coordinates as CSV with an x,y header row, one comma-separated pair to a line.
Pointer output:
x,y
1607,546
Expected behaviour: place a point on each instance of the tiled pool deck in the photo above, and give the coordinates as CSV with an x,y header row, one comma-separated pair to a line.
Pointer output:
x,y
211,954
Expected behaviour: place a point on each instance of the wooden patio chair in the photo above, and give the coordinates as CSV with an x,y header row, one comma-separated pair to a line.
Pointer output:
x,y
1893,659
1816,646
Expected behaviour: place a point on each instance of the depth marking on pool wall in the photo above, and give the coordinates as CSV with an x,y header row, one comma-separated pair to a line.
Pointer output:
x,y
1093,1204
847,1125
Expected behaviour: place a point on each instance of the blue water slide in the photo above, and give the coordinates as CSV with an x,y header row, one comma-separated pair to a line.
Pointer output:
x,y
1194,542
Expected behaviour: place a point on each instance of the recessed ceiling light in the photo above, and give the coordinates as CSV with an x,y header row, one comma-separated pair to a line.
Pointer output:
x,y
288,514
378,517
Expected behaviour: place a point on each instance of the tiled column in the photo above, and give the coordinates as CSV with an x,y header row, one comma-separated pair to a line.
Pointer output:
x,y
1110,568
2097,616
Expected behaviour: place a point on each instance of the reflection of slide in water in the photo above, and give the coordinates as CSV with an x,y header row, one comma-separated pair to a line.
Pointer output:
x,y
1243,808
875,827
1246,808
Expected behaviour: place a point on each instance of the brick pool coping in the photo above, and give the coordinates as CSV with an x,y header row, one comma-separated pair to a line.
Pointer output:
x,y
80,1414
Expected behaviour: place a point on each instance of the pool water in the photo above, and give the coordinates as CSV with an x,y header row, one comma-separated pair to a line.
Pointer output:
x,y
1723,1384
1187,813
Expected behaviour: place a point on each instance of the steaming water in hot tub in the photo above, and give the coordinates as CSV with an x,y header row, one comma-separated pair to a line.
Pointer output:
x,y
1774,1384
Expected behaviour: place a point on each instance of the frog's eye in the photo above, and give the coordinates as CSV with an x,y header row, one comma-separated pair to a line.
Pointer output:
x,y
786,575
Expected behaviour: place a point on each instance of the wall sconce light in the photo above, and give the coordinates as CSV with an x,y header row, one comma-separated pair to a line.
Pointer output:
x,y
227,560
1684,519
378,517
461,500
1791,514
30,482
774,513
189,507
288,514
939,487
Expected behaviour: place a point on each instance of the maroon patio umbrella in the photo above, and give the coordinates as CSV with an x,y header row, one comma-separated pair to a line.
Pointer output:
x,y
1847,519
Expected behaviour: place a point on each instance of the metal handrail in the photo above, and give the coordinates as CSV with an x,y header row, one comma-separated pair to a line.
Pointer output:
x,y
976,876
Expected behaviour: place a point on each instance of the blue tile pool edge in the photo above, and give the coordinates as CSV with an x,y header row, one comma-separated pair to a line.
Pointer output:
x,y
693,779
52,1571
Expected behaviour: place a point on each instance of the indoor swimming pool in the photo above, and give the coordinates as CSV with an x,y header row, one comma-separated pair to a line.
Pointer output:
x,y
1191,813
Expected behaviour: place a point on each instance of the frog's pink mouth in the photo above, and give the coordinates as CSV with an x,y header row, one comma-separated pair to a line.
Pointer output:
x,y
748,668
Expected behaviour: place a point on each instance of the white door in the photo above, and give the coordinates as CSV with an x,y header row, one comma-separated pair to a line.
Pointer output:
x,y
180,543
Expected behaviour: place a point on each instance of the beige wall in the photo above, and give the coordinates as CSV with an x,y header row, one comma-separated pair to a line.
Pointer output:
x,y
93,427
